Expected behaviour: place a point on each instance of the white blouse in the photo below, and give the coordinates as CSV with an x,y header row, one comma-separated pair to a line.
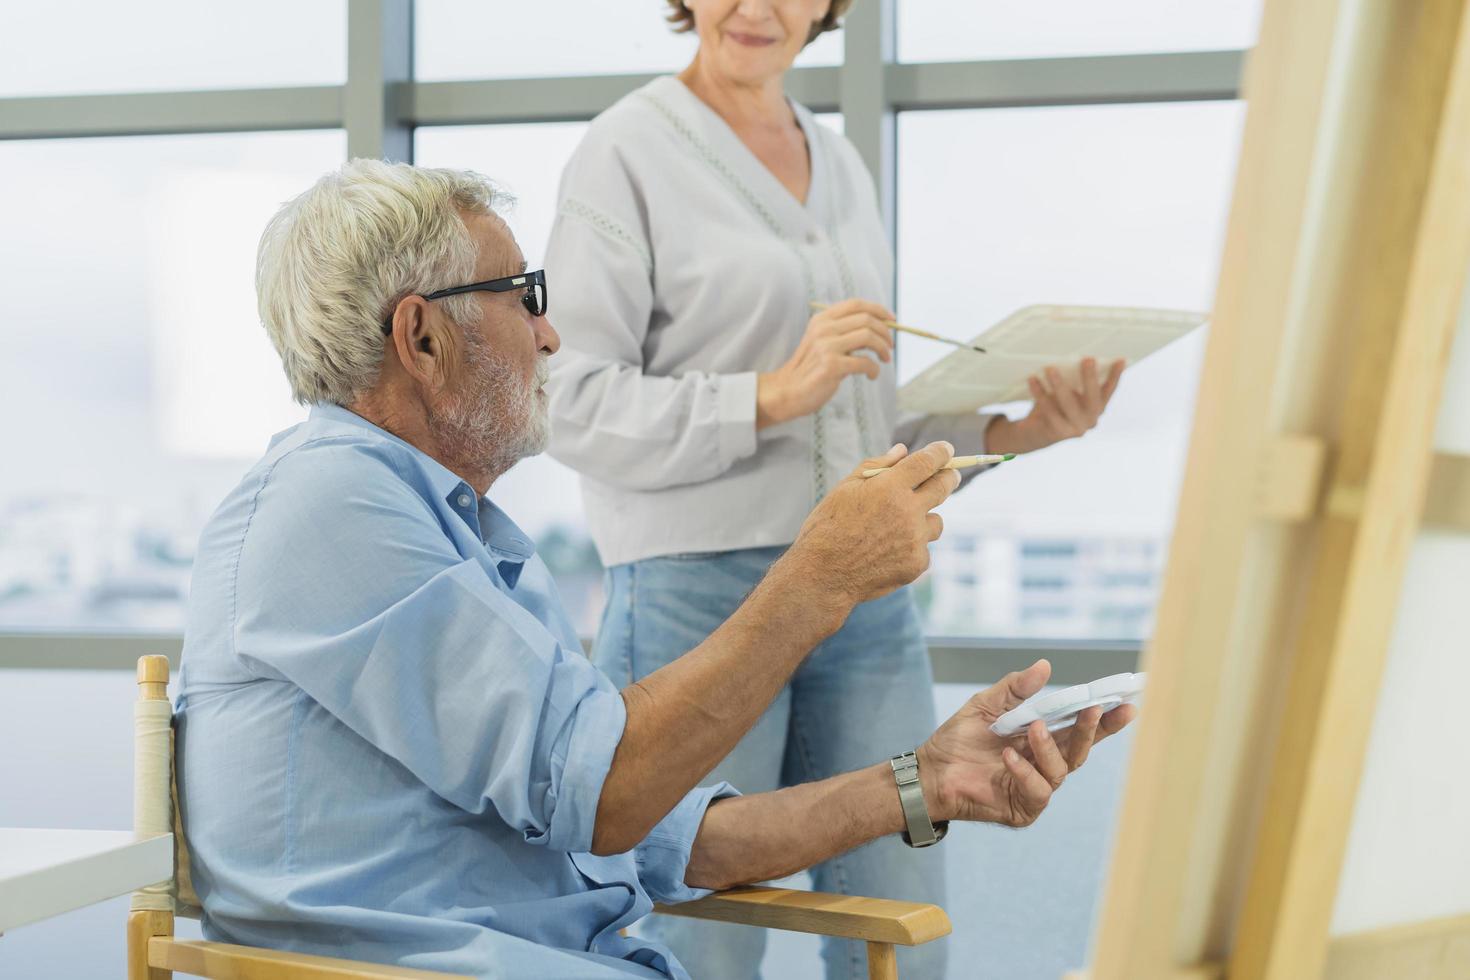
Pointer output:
x,y
680,267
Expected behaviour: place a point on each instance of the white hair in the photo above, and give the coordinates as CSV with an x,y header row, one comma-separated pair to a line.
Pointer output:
x,y
335,261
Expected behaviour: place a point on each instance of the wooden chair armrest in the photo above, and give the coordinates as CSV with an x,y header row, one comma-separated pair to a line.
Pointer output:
x,y
227,962
878,920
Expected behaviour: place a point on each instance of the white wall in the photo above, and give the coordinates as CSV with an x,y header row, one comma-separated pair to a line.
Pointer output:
x,y
1408,857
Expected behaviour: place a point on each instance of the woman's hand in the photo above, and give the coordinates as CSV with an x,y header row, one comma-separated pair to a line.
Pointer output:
x,y
827,354
970,773
1061,413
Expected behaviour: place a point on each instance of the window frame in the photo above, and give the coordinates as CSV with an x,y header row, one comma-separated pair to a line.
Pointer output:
x,y
380,105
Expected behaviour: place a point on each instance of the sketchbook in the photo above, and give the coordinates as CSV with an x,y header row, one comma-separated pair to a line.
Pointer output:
x,y
1035,337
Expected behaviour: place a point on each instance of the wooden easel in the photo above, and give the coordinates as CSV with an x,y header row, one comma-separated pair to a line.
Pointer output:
x,y
1310,463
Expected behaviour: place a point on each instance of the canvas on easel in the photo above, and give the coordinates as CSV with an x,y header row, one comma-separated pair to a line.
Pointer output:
x,y
1309,465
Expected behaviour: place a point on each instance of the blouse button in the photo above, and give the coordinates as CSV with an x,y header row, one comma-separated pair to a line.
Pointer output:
x,y
813,237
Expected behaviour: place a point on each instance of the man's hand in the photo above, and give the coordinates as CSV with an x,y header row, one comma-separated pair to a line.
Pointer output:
x,y
870,536
967,773
1058,411
970,773
864,539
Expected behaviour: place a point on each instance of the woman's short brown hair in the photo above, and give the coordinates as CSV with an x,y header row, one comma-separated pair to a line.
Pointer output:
x,y
683,18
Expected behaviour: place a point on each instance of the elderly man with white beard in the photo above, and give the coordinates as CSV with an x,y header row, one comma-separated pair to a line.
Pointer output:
x,y
391,747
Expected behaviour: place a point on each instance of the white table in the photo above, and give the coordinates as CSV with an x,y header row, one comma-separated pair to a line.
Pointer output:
x,y
48,872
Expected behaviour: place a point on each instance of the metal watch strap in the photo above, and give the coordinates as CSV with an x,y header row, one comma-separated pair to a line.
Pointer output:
x,y
921,832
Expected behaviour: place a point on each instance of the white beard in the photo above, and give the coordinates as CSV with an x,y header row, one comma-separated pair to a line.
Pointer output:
x,y
496,419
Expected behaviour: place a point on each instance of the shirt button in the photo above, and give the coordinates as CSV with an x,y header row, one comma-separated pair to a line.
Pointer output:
x,y
464,500
813,237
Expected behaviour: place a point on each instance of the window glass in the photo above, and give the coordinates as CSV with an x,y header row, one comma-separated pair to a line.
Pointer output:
x,y
169,44
1101,205
458,39
134,356
943,30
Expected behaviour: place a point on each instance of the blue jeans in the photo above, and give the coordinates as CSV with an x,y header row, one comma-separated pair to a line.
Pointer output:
x,y
860,697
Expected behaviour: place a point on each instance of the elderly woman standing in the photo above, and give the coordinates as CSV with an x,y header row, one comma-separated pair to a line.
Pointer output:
x,y
707,411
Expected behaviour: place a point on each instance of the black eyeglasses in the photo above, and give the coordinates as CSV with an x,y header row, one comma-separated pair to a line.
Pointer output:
x,y
534,299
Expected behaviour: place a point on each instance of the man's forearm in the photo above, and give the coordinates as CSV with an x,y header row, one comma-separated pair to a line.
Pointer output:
x,y
685,717
771,835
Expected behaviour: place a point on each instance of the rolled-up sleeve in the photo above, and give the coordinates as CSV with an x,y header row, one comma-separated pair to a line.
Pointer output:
x,y
663,856
415,649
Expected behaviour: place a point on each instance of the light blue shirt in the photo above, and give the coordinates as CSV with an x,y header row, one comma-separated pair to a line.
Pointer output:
x,y
391,746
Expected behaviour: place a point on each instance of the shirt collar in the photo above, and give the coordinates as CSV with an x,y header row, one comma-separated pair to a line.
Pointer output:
x,y
724,149
445,482
504,538
500,534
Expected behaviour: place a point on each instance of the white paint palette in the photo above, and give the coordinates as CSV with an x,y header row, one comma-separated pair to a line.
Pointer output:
x,y
1034,338
1059,709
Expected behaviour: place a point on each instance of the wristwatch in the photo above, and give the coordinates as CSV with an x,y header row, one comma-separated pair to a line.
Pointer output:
x,y
921,832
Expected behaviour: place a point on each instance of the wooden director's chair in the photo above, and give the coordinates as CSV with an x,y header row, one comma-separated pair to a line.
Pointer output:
x,y
154,953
